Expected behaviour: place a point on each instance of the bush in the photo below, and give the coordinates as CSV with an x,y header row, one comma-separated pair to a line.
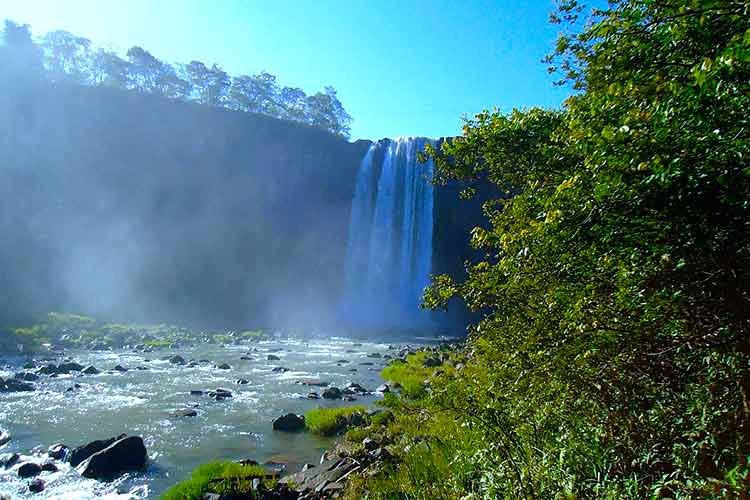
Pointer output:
x,y
332,421
235,479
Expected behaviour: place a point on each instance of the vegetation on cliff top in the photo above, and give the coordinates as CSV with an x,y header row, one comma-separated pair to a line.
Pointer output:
x,y
62,57
612,359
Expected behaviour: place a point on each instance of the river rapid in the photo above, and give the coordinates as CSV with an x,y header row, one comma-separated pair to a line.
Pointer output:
x,y
139,402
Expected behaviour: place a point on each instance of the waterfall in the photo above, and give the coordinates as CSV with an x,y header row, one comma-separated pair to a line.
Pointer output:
x,y
389,251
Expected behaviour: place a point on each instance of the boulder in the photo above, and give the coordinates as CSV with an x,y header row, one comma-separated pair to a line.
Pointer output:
x,y
313,395
120,368
177,360
354,388
15,385
273,357
374,355
58,451
4,437
280,369
36,486
8,460
289,423
69,367
196,392
26,376
242,381
224,366
370,444
90,370
332,393
126,454
49,467
81,453
383,388
246,358
29,469
432,361
186,412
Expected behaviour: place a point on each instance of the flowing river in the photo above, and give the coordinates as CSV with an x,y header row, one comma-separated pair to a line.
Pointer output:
x,y
139,402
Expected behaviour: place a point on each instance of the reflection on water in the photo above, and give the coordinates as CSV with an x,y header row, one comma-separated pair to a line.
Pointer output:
x,y
138,402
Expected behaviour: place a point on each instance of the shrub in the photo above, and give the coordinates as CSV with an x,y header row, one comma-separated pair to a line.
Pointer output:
x,y
332,421
216,477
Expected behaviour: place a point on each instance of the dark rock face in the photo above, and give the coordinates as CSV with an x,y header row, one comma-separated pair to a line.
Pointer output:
x,y
289,423
321,481
26,376
81,453
332,393
29,469
49,467
127,454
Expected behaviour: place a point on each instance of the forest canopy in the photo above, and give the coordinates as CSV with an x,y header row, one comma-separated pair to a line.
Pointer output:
x,y
62,57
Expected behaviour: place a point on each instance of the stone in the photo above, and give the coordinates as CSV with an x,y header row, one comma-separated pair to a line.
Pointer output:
x,y
120,368
29,469
370,444
280,369
354,388
177,360
242,381
383,388
273,357
58,451
313,395
90,370
49,467
196,392
4,437
81,453
289,423
224,366
8,460
26,376
15,385
432,361
332,393
126,454
186,412
69,367
36,486
374,355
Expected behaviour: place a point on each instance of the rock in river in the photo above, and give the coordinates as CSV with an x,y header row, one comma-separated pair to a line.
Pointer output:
x,y
127,454
29,469
83,452
177,360
4,436
90,370
289,423
332,393
187,412
58,451
8,460
15,385
36,486
273,357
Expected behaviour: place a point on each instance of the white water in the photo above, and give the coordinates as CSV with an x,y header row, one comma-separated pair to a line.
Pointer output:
x,y
389,254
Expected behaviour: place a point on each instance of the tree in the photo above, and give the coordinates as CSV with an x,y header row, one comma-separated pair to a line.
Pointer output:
x,y
19,55
615,282
256,94
324,110
68,57
293,103
210,85
109,69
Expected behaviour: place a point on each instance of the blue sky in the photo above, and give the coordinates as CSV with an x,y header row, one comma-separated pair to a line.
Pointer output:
x,y
400,67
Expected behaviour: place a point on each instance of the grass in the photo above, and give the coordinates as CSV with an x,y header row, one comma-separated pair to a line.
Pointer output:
x,y
237,478
411,374
331,421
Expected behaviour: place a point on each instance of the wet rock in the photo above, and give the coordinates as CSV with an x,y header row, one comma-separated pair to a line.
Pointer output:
x,y
26,376
432,361
370,444
36,486
374,355
313,382
196,392
273,357
81,453
332,393
49,467
348,397
220,394
4,437
64,368
192,364
127,454
224,366
246,358
15,385
58,451
367,363
354,388
120,368
321,481
242,381
29,469
29,365
307,467
289,423
186,412
280,369
177,360
8,460
90,370
383,388
313,395
343,361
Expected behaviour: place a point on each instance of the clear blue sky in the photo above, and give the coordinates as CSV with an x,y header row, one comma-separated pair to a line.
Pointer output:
x,y
401,67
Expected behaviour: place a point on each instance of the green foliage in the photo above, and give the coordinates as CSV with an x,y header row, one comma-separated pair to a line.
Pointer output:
x,y
410,375
612,355
216,477
331,421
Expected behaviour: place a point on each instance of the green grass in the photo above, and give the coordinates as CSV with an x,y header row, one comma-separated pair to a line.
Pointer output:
x,y
238,480
330,421
411,375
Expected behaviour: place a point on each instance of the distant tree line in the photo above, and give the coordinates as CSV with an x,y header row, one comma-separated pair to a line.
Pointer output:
x,y
61,56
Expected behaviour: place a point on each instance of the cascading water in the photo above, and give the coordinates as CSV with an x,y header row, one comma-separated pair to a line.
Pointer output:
x,y
389,253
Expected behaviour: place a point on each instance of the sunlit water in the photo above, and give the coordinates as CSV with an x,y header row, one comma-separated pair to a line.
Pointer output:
x,y
139,402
